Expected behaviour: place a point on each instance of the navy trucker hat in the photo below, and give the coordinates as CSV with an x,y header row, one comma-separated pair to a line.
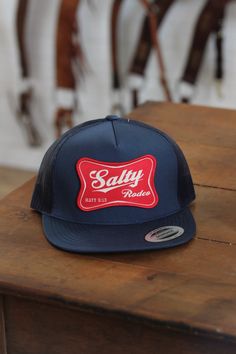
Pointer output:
x,y
114,185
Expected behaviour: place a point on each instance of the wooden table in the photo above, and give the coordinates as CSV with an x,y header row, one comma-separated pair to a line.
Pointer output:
x,y
180,300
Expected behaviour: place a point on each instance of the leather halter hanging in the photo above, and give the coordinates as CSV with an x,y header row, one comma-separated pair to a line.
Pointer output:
x,y
144,44
152,13
148,40
23,107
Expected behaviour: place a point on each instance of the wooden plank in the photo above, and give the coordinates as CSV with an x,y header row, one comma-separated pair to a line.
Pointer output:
x,y
191,124
201,295
214,212
51,330
11,178
210,165
21,195
3,348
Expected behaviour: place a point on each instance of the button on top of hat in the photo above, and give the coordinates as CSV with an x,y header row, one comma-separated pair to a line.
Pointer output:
x,y
112,117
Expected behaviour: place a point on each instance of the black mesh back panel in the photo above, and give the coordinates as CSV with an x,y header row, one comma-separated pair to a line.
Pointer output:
x,y
43,191
186,193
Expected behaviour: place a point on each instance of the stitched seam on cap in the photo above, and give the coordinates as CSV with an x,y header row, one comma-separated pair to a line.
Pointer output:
x,y
114,131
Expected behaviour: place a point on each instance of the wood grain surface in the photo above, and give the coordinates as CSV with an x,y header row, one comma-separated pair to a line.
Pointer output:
x,y
190,289
49,329
12,178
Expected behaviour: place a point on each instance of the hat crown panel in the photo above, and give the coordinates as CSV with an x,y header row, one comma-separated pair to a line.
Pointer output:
x,y
114,142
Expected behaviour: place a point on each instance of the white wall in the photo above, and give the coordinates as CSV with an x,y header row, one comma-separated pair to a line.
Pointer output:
x,y
95,93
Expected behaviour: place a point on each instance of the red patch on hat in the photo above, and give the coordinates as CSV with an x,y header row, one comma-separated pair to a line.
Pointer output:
x,y
107,184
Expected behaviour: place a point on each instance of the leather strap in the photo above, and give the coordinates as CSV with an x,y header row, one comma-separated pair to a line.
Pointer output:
x,y
68,53
148,40
117,107
208,22
114,25
144,46
152,13
20,23
23,109
64,44
219,70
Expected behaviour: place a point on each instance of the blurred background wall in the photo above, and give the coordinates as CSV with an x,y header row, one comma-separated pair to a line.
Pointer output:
x,y
94,93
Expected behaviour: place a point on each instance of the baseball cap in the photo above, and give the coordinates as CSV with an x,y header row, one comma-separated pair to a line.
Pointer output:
x,y
114,185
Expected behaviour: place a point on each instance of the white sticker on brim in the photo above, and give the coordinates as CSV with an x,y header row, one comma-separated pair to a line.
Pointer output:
x,y
164,234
